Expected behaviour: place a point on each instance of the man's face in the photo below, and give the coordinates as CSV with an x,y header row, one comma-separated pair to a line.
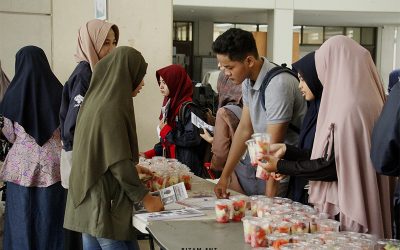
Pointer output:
x,y
237,71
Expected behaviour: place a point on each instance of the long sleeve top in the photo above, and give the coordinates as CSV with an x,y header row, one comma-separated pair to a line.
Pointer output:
x,y
297,162
225,125
72,97
385,143
107,209
27,164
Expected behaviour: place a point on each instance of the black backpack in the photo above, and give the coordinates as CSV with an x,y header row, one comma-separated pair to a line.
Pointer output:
x,y
203,150
267,79
205,97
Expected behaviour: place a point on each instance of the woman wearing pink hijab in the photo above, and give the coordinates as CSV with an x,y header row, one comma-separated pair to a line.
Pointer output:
x,y
96,39
351,102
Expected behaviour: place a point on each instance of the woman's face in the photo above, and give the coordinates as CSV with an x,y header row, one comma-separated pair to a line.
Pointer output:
x,y
138,88
109,44
163,87
305,90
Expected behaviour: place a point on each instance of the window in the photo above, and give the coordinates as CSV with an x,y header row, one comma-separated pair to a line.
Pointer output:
x,y
183,31
367,36
220,28
332,31
248,27
312,35
353,33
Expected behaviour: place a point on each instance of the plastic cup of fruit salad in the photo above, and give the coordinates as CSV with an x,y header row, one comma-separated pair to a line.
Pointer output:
x,y
223,210
327,225
252,149
259,232
263,140
238,207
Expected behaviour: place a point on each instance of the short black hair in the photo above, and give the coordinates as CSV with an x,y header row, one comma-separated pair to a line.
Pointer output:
x,y
237,44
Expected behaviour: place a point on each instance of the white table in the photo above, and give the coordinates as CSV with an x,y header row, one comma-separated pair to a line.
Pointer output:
x,y
203,231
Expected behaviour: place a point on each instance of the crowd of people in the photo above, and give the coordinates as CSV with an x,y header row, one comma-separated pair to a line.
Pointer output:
x,y
72,170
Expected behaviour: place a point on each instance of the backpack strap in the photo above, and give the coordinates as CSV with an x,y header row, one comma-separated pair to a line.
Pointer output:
x,y
182,110
268,77
271,74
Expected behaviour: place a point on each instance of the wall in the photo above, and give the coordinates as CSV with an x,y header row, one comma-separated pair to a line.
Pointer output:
x,y
24,23
205,35
53,26
146,26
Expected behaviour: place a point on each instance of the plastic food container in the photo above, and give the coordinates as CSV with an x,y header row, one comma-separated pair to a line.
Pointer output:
x,y
223,210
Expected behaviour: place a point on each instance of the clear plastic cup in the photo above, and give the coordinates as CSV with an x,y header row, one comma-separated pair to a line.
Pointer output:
x,y
223,210
388,244
262,173
158,181
252,149
279,239
259,234
238,207
280,200
247,228
186,178
264,206
254,203
159,161
300,226
281,227
328,225
263,141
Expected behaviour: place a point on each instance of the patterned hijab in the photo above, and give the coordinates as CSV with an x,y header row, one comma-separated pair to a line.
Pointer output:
x,y
306,68
351,102
180,89
91,38
228,92
106,130
33,98
4,83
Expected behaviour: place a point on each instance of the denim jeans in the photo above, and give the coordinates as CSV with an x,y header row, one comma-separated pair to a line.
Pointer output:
x,y
93,243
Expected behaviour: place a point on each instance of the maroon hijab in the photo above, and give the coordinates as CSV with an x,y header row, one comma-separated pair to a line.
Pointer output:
x,y
180,89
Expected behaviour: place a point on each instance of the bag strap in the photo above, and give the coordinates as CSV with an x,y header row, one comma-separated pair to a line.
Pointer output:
x,y
268,77
182,110
271,74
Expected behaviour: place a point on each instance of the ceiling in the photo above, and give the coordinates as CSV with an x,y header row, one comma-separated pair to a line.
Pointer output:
x,y
301,17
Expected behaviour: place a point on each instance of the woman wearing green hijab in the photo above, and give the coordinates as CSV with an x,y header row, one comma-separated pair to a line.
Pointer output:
x,y
104,183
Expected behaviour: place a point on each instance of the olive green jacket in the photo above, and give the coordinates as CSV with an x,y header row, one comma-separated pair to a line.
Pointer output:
x,y
107,209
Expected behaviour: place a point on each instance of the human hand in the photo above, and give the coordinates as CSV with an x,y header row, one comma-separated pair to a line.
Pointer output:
x,y
277,176
268,162
152,203
143,170
141,154
206,136
277,149
220,188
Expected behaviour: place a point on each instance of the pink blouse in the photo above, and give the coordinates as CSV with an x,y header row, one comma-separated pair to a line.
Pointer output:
x,y
27,164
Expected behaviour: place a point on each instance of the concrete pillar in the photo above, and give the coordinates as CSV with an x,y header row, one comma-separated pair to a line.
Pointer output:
x,y
280,33
389,53
205,36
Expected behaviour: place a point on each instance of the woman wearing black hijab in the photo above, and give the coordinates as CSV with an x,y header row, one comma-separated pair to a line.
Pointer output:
x,y
311,89
35,200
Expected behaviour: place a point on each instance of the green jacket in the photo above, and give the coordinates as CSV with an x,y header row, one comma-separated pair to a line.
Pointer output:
x,y
106,211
